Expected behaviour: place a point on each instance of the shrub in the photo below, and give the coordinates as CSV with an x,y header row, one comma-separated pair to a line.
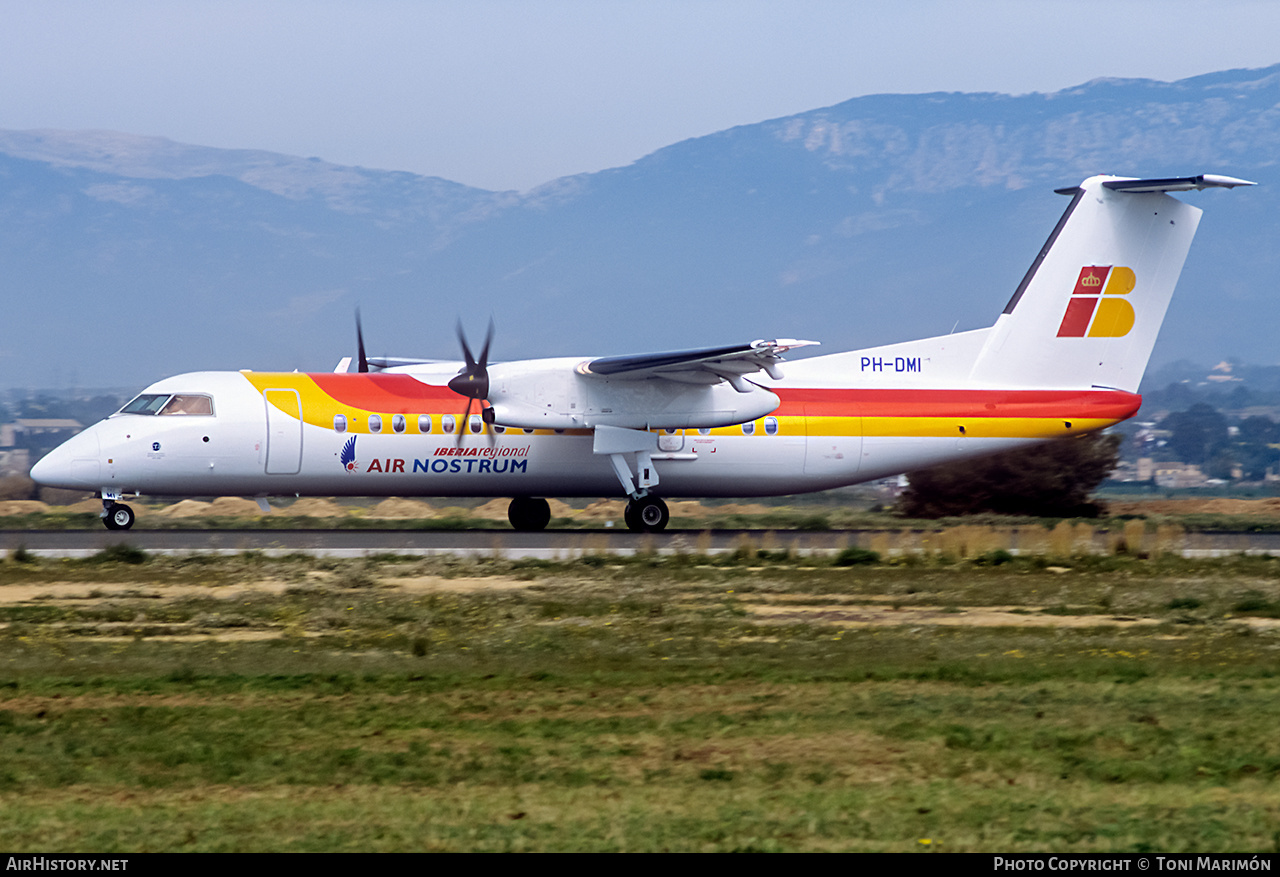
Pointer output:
x,y
854,556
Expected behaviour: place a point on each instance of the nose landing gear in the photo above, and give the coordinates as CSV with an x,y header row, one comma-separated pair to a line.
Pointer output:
x,y
116,515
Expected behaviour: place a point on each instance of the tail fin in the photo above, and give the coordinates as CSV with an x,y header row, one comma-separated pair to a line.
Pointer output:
x,y
1088,311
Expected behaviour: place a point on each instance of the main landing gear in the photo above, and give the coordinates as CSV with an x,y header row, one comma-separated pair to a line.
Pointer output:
x,y
644,512
529,513
647,514
116,515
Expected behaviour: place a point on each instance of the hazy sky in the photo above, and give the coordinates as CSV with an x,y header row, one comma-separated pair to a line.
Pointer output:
x,y
512,94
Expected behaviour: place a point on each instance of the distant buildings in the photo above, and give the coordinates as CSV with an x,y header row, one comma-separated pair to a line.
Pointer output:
x,y
26,439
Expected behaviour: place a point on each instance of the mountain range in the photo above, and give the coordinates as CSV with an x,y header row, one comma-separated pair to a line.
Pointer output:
x,y
124,258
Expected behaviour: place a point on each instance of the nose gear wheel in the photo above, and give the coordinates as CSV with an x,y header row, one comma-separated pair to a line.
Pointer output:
x,y
117,516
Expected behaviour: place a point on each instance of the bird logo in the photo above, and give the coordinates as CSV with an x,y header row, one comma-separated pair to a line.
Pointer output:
x,y
348,455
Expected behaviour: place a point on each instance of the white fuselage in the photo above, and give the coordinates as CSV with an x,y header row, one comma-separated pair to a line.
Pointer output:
x,y
284,434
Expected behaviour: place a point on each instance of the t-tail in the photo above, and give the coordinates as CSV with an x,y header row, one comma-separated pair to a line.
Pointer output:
x,y
1088,311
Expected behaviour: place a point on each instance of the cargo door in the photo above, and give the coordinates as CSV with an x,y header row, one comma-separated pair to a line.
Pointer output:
x,y
833,440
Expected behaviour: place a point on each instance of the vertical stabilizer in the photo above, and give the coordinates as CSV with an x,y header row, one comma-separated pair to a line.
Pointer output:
x,y
1089,309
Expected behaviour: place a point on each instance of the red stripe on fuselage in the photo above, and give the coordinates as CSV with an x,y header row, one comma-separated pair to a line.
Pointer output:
x,y
390,393
405,394
1100,404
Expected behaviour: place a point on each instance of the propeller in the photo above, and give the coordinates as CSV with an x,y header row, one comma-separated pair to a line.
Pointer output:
x,y
473,381
362,361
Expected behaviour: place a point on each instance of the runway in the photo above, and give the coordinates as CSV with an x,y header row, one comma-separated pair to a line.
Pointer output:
x,y
545,545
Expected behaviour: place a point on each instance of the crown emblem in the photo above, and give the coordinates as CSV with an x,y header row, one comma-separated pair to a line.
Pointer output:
x,y
1091,280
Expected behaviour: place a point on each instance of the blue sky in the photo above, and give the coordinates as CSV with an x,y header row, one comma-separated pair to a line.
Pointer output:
x,y
503,94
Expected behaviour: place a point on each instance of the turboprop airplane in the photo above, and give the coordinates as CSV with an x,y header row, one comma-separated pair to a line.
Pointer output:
x,y
1063,359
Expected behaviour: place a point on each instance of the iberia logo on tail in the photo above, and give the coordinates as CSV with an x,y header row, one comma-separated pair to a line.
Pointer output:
x,y
1096,309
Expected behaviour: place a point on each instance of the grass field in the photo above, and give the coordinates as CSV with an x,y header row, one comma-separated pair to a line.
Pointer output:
x,y
756,701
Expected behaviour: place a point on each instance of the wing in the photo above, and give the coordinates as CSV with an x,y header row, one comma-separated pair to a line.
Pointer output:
x,y
389,362
707,365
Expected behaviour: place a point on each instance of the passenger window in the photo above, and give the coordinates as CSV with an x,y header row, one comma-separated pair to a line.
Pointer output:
x,y
706,430
749,428
339,423
476,423
375,423
447,423
424,423
771,426
397,422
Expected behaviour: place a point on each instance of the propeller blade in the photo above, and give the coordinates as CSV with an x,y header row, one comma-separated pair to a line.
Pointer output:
x,y
466,348
464,423
484,351
361,359
486,421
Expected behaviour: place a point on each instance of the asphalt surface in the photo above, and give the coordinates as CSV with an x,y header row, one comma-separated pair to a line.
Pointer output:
x,y
547,545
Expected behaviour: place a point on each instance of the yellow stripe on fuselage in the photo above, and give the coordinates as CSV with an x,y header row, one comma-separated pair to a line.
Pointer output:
x,y
976,427
936,427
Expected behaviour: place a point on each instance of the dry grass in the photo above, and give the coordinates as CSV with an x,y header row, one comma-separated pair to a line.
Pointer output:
x,y
759,701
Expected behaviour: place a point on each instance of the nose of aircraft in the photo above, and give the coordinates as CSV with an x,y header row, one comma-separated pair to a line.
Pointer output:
x,y
74,464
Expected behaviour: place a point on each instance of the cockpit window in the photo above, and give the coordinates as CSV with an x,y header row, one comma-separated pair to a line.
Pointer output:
x,y
189,405
147,403
163,403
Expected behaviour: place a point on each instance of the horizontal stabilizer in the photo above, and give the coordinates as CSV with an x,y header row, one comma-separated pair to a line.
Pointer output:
x,y
1177,184
1166,184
